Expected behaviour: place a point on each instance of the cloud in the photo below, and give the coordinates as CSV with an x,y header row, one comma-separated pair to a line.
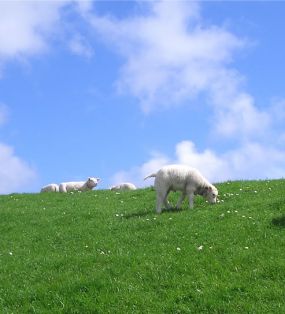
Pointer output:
x,y
15,174
25,25
28,28
170,56
250,161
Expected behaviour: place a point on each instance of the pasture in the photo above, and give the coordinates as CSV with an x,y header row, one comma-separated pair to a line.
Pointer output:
x,y
108,252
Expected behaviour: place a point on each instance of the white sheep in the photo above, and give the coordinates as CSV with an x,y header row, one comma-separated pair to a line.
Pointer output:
x,y
181,178
79,185
50,188
123,187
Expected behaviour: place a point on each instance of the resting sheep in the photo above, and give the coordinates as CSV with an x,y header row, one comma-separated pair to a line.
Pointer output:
x,y
181,178
123,187
79,185
50,188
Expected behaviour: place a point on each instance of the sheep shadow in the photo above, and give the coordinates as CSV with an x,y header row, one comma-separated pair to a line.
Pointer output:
x,y
142,213
279,221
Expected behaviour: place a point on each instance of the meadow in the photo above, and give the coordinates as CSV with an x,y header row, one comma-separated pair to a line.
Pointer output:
x,y
108,252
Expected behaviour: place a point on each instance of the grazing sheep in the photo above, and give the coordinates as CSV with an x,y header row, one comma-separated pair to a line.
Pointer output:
x,y
50,188
79,186
123,187
181,178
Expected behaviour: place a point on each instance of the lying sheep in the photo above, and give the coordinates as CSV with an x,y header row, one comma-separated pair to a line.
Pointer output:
x,y
123,187
50,188
79,186
181,178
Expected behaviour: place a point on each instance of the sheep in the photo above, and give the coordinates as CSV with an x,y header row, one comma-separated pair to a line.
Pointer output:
x,y
50,188
79,185
181,178
123,187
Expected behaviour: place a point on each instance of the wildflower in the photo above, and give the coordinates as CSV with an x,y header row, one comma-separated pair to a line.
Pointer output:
x,y
222,215
11,253
228,211
117,215
246,247
200,248
178,249
240,189
169,218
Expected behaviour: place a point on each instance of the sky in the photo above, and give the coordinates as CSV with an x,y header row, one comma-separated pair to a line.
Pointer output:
x,y
117,89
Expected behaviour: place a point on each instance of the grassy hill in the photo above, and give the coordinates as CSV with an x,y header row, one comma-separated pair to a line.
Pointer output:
x,y
103,252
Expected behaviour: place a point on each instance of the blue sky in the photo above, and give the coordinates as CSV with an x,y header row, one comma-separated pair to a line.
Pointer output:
x,y
117,89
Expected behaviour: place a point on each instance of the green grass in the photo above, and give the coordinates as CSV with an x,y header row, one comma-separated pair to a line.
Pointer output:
x,y
102,252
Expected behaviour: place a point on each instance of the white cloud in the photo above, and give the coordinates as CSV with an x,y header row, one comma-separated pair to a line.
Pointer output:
x,y
242,118
24,26
250,161
15,174
27,28
170,55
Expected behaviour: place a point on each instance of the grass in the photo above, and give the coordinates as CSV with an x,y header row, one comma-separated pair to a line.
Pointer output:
x,y
103,252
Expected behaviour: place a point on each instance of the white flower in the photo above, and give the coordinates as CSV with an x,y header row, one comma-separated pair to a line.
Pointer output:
x,y
10,253
246,247
200,248
178,249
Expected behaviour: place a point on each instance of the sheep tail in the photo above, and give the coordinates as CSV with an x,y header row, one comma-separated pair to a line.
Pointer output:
x,y
153,175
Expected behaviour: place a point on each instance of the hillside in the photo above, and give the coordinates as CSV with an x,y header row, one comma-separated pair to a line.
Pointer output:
x,y
104,252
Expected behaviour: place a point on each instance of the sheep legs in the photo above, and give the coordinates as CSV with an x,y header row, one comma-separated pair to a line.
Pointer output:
x,y
161,198
191,199
181,199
